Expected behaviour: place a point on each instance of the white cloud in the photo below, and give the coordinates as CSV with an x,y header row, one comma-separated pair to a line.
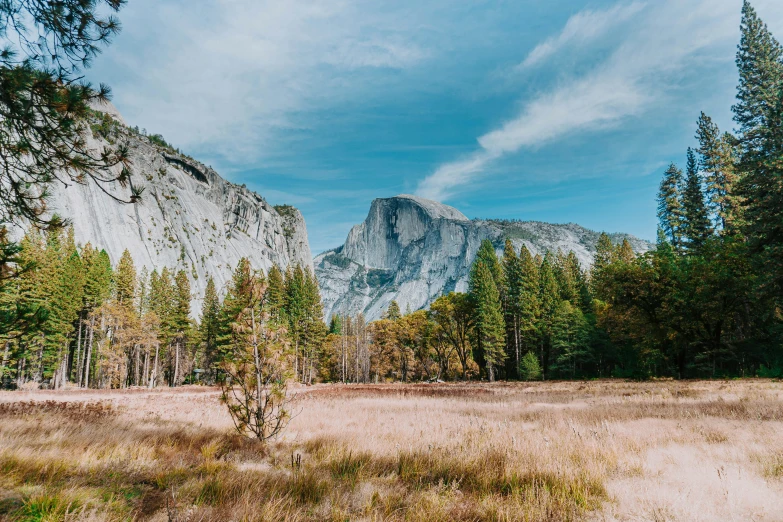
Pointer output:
x,y
231,74
439,184
634,78
581,28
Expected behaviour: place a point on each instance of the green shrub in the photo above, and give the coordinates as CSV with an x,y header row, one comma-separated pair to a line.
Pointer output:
x,y
529,367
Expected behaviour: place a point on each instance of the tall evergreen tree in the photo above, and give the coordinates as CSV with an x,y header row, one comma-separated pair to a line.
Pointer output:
x,y
512,269
489,324
393,312
716,159
240,297
549,299
530,302
210,324
179,324
670,212
275,295
760,65
486,254
125,280
697,226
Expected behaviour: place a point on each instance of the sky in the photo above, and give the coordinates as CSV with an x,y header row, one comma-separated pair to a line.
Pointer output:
x,y
559,111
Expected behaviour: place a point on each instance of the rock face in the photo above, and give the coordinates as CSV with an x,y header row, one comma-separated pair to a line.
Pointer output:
x,y
189,217
413,250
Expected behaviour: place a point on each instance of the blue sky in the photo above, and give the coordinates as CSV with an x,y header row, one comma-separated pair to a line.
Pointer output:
x,y
560,111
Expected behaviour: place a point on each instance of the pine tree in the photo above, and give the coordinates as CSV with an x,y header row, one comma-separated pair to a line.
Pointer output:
x,y
569,277
314,328
162,303
486,254
296,311
716,159
670,212
393,312
73,283
275,295
97,289
238,298
489,324
125,281
45,48
759,114
336,325
696,219
180,323
530,302
512,269
549,299
764,208
209,327
625,253
760,65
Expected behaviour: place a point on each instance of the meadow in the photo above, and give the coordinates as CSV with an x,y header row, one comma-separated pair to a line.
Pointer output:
x,y
555,451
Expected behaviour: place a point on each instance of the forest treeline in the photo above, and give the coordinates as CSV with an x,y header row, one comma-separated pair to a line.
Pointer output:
x,y
69,316
706,302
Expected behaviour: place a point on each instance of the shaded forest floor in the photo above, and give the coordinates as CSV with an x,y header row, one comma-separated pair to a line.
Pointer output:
x,y
602,451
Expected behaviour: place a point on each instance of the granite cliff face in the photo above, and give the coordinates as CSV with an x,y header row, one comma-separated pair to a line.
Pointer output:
x,y
412,250
189,217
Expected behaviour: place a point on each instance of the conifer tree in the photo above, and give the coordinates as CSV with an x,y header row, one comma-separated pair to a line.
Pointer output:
x,y
512,269
760,65
717,159
625,253
180,323
210,323
275,295
696,219
670,212
489,324
162,303
238,298
45,102
530,302
393,312
486,254
125,281
549,298
336,325
97,289
759,114
569,277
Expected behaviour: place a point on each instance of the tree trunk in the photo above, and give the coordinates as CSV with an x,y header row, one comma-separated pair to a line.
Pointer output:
x,y
40,366
6,355
20,372
145,369
516,345
154,373
176,364
88,355
296,359
136,363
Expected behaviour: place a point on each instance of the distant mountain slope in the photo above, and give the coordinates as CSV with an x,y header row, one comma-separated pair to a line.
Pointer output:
x,y
412,250
189,218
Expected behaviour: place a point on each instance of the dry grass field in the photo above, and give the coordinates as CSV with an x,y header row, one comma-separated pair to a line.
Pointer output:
x,y
600,451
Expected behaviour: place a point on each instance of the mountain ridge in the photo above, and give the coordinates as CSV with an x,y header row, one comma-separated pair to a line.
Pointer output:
x,y
412,250
189,217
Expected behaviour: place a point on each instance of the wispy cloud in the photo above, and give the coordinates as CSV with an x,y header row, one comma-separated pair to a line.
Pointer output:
x,y
230,75
582,28
634,77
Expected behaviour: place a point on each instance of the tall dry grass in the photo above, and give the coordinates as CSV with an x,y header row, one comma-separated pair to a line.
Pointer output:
x,y
548,451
